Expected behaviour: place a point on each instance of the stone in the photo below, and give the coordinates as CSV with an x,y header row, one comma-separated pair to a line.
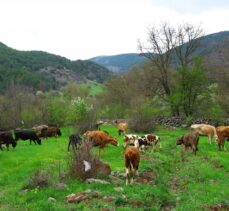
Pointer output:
x,y
119,189
60,186
92,180
51,199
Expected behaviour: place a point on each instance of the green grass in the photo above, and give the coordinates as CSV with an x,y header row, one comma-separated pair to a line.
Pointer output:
x,y
95,88
191,184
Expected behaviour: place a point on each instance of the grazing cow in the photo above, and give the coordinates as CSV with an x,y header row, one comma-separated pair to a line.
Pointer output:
x,y
39,128
122,128
74,141
49,132
152,139
141,143
129,139
27,135
189,140
100,139
205,130
132,159
223,134
6,138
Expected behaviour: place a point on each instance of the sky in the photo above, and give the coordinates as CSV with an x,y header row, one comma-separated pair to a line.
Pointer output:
x,y
81,29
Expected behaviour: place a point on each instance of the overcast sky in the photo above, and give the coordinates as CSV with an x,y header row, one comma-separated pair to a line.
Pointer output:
x,y
81,29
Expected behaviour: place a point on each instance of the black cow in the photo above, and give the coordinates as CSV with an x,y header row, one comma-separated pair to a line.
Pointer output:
x,y
6,138
75,141
27,135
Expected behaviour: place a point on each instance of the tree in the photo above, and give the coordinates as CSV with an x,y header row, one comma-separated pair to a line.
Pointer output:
x,y
190,83
169,48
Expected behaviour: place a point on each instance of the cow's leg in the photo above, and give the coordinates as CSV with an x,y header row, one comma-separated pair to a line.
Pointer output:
x,y
209,139
127,176
7,146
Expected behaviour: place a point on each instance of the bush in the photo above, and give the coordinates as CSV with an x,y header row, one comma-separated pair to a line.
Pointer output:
x,y
77,166
143,117
39,179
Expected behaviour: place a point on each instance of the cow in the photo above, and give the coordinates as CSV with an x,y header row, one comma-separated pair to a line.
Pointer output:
x,y
141,143
189,140
100,139
75,141
122,128
129,139
205,130
6,138
49,132
27,135
222,134
39,128
152,139
132,159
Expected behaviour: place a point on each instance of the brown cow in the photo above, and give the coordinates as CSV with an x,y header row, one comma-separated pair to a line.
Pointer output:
x,y
122,128
39,128
223,134
132,159
100,139
205,130
189,140
50,131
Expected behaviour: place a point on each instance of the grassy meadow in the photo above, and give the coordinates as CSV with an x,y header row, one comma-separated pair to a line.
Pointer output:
x,y
177,181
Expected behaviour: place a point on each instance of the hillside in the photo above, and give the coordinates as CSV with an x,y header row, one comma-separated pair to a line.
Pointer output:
x,y
214,48
119,63
44,70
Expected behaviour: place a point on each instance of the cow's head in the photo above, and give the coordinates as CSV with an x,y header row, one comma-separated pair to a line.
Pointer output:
x,y
14,143
180,140
39,141
114,142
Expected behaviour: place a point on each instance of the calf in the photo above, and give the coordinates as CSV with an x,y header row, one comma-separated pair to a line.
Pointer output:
x,y
6,138
189,140
223,134
27,135
132,159
205,130
122,128
74,141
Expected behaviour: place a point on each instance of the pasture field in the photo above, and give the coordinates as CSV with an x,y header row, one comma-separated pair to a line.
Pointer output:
x,y
175,181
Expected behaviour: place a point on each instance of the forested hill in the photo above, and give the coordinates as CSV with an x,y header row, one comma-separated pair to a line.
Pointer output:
x,y
214,48
43,70
119,63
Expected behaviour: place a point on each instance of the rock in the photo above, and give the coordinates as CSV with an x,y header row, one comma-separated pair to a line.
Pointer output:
x,y
51,199
92,180
116,180
119,189
88,191
121,174
60,186
77,198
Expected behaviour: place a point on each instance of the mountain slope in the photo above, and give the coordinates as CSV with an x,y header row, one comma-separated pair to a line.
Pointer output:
x,y
46,67
119,63
214,48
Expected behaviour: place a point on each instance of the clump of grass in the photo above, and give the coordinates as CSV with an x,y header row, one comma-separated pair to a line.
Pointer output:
x,y
39,179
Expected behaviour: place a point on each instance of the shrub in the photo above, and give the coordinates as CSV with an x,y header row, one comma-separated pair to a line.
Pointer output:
x,y
143,117
77,166
39,179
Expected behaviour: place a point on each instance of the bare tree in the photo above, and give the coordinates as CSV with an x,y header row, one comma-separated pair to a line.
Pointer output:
x,y
168,48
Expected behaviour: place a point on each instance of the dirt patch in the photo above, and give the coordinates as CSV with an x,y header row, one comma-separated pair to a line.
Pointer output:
x,y
218,207
147,178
